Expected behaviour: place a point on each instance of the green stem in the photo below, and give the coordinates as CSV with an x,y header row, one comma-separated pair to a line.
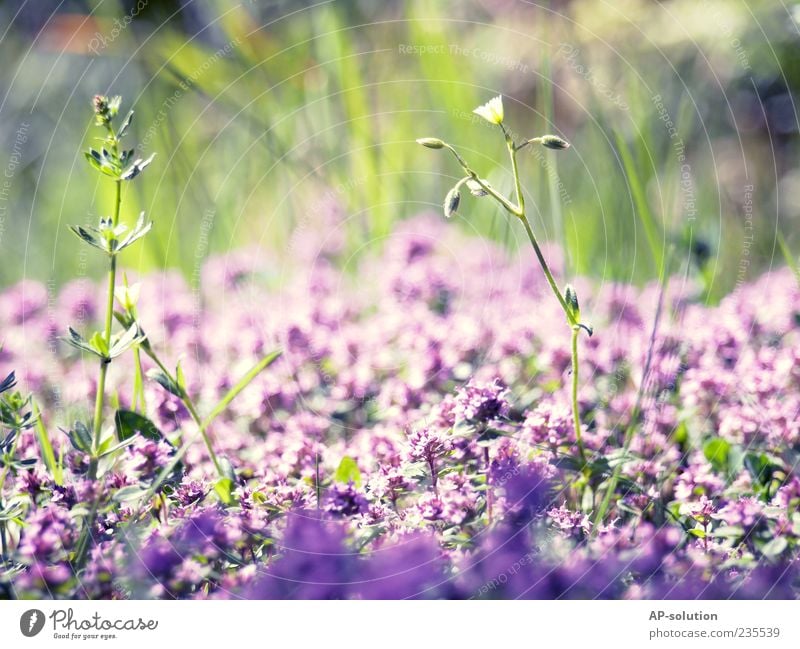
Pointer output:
x,y
550,279
576,417
190,407
508,205
104,363
512,152
187,402
517,185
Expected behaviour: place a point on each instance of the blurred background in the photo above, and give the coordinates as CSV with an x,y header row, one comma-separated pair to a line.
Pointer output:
x,y
271,119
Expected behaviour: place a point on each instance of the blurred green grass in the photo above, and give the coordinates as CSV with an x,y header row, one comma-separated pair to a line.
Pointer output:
x,y
259,111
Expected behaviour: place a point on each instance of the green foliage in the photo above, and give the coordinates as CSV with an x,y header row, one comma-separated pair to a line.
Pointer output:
x,y
348,472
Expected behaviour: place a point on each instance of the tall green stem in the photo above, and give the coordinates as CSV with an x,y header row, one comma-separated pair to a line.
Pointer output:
x,y
512,152
104,363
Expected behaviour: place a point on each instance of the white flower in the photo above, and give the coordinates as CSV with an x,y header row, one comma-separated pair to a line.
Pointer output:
x,y
492,110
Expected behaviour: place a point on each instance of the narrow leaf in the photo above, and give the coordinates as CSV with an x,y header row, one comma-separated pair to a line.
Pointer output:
x,y
46,448
264,363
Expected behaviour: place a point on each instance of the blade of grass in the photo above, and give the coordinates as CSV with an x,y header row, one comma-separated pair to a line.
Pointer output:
x,y
46,448
641,205
787,254
264,363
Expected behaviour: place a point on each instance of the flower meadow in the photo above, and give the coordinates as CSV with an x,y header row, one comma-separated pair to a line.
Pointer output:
x,y
413,423
415,438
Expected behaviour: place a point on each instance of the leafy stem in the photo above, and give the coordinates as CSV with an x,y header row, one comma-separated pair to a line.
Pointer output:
x,y
105,362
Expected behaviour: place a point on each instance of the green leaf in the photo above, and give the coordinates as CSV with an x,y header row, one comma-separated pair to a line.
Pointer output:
x,y
87,237
263,364
137,167
717,451
760,467
129,423
98,343
139,230
125,341
728,532
11,513
77,341
129,493
180,377
166,382
100,163
125,124
107,448
224,489
46,448
774,547
348,472
80,437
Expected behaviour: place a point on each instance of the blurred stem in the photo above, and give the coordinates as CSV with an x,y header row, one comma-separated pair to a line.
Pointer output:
x,y
105,362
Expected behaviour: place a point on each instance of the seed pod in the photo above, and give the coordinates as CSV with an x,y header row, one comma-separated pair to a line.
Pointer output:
x,y
451,202
553,142
431,142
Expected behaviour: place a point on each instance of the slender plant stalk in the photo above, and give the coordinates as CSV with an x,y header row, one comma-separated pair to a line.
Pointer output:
x,y
190,407
576,417
105,362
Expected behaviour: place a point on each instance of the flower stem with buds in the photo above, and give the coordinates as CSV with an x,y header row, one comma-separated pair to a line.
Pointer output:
x,y
493,112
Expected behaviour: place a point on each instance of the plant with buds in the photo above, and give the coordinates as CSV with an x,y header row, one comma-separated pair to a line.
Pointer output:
x,y
111,237
493,113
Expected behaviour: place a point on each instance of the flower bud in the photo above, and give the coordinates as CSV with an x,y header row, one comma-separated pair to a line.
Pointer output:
x,y
451,202
553,142
431,142
571,298
100,104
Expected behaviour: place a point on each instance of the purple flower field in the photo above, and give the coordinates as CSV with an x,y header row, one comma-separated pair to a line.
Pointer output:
x,y
414,439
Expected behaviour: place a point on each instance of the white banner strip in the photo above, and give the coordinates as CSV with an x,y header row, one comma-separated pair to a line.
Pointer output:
x,y
346,625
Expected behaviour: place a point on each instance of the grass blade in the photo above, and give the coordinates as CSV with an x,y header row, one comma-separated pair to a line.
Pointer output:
x,y
640,199
48,456
263,364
